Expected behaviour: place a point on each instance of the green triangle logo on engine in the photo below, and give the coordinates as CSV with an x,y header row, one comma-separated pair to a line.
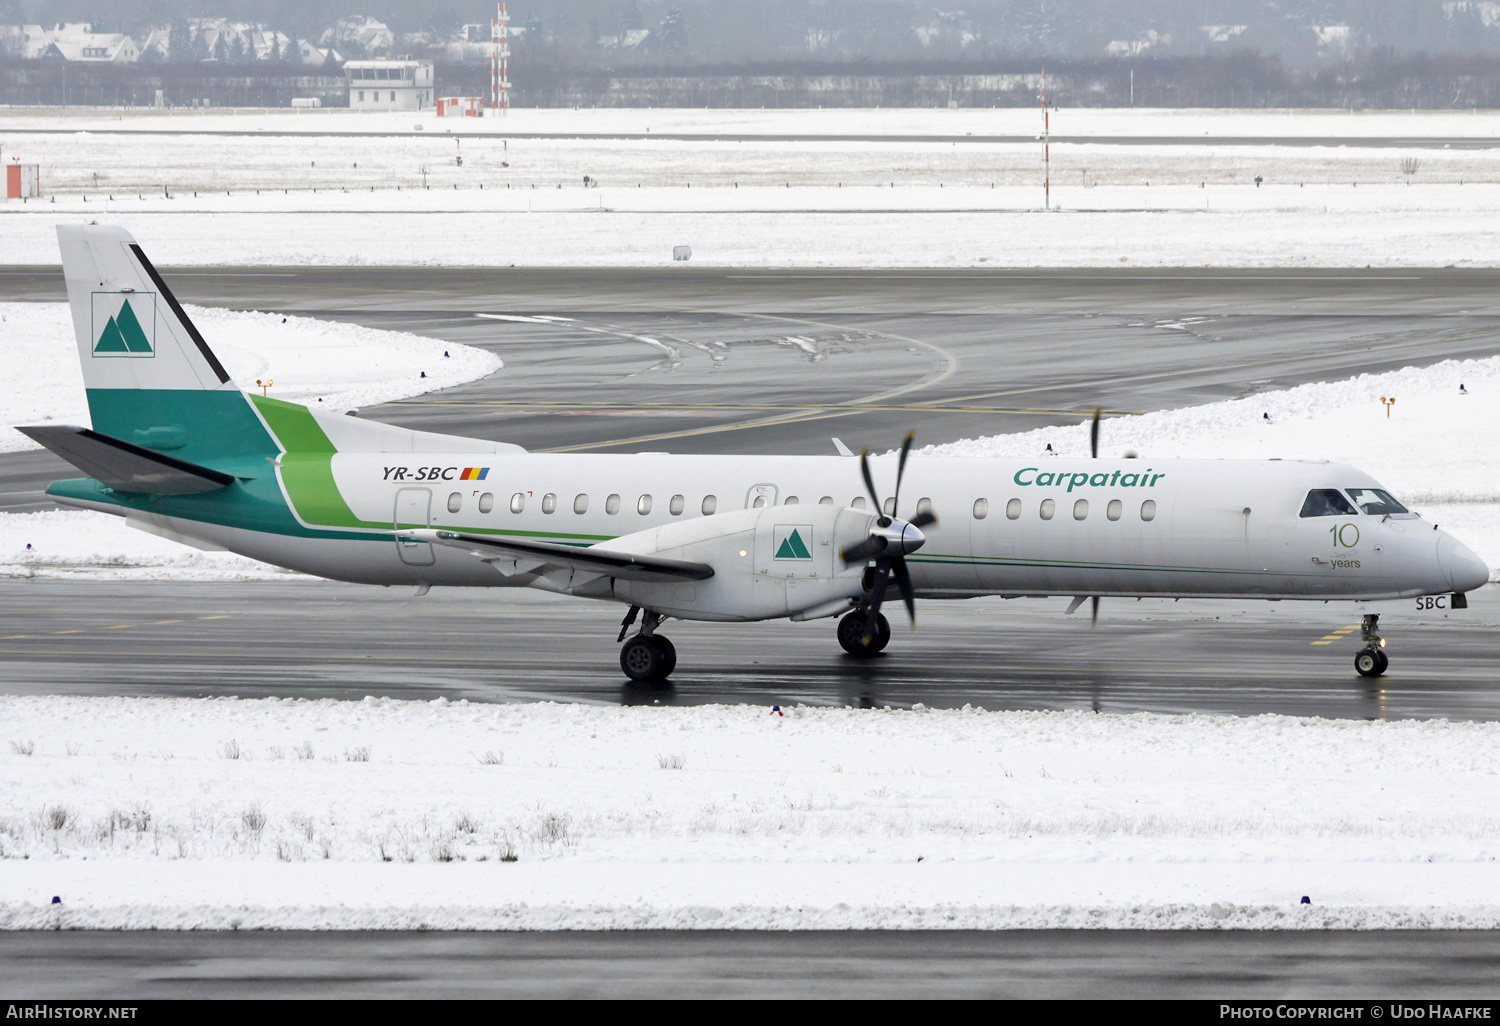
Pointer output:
x,y
792,545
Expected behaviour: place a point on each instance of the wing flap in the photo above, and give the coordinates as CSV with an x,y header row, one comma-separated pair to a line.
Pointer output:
x,y
124,466
594,560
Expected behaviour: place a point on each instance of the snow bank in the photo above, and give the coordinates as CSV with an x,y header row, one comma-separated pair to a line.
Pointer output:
x,y
180,813
1152,228
1435,450
326,364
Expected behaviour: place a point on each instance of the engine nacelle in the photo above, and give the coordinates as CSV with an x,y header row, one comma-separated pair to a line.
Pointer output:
x,y
768,563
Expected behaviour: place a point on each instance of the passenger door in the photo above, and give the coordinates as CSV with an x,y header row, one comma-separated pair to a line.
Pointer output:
x,y
413,509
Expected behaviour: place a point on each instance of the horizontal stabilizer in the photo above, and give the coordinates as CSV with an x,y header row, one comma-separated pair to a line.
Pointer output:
x,y
123,466
623,565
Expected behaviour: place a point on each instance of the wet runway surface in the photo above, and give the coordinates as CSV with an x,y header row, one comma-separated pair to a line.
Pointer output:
x,y
317,639
855,964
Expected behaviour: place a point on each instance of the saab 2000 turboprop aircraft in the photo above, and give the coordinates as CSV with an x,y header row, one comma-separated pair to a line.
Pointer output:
x,y
179,450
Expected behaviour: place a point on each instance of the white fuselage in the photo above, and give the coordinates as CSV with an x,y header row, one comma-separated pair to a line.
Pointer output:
x,y
1219,528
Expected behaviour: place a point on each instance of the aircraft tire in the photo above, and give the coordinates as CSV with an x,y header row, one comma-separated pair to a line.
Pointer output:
x,y
668,652
642,659
852,635
882,632
1371,662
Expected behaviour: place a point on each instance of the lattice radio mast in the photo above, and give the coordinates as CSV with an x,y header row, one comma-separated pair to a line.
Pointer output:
x,y
499,60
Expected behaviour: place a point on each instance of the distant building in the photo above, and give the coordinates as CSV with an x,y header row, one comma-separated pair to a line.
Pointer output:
x,y
254,42
359,33
390,85
307,53
78,42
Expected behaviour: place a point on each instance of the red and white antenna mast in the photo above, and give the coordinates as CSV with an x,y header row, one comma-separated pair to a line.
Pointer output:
x,y
499,60
1046,145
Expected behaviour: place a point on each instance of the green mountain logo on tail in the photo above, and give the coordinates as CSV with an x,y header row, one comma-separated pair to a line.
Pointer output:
x,y
118,329
792,541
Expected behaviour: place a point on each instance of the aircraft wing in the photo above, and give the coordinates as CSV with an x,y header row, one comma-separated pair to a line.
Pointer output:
x,y
532,555
124,466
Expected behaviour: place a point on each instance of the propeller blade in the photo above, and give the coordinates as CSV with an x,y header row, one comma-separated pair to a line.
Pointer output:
x,y
877,595
903,582
923,519
1095,621
901,470
1094,433
872,546
864,468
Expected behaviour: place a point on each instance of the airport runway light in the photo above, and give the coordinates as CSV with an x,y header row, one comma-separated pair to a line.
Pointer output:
x,y
1388,403
264,385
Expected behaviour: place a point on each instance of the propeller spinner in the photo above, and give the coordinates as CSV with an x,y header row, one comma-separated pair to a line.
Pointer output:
x,y
889,542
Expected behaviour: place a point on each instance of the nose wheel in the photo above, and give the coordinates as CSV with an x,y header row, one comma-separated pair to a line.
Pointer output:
x,y
1371,661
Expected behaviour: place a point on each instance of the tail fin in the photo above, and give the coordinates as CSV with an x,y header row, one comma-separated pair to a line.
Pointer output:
x,y
152,379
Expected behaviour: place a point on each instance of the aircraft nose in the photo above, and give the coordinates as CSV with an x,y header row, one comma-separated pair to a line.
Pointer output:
x,y
1464,570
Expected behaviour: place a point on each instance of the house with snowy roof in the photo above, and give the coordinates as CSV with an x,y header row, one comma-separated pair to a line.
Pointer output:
x,y
78,42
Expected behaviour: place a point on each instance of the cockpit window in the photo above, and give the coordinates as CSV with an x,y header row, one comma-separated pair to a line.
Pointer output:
x,y
1376,502
1327,502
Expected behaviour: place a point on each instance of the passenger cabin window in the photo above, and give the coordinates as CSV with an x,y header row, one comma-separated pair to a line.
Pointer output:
x,y
549,502
1148,509
981,508
676,505
1327,502
1049,507
760,500
1377,502
643,505
924,505
710,503
581,503
518,502
826,500
1114,509
1013,509
455,502
1081,509
486,502
612,504
792,500
858,502
889,506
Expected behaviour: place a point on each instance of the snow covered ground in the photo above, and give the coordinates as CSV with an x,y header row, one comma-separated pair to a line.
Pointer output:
x,y
181,813
744,199
1114,121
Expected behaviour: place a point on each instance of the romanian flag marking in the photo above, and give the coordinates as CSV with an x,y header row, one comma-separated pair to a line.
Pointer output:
x,y
474,473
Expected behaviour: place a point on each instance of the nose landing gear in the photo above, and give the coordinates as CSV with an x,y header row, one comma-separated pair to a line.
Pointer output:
x,y
1371,661
648,655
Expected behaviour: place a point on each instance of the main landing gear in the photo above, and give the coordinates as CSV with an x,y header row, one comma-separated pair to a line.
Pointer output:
x,y
648,655
1371,660
856,638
